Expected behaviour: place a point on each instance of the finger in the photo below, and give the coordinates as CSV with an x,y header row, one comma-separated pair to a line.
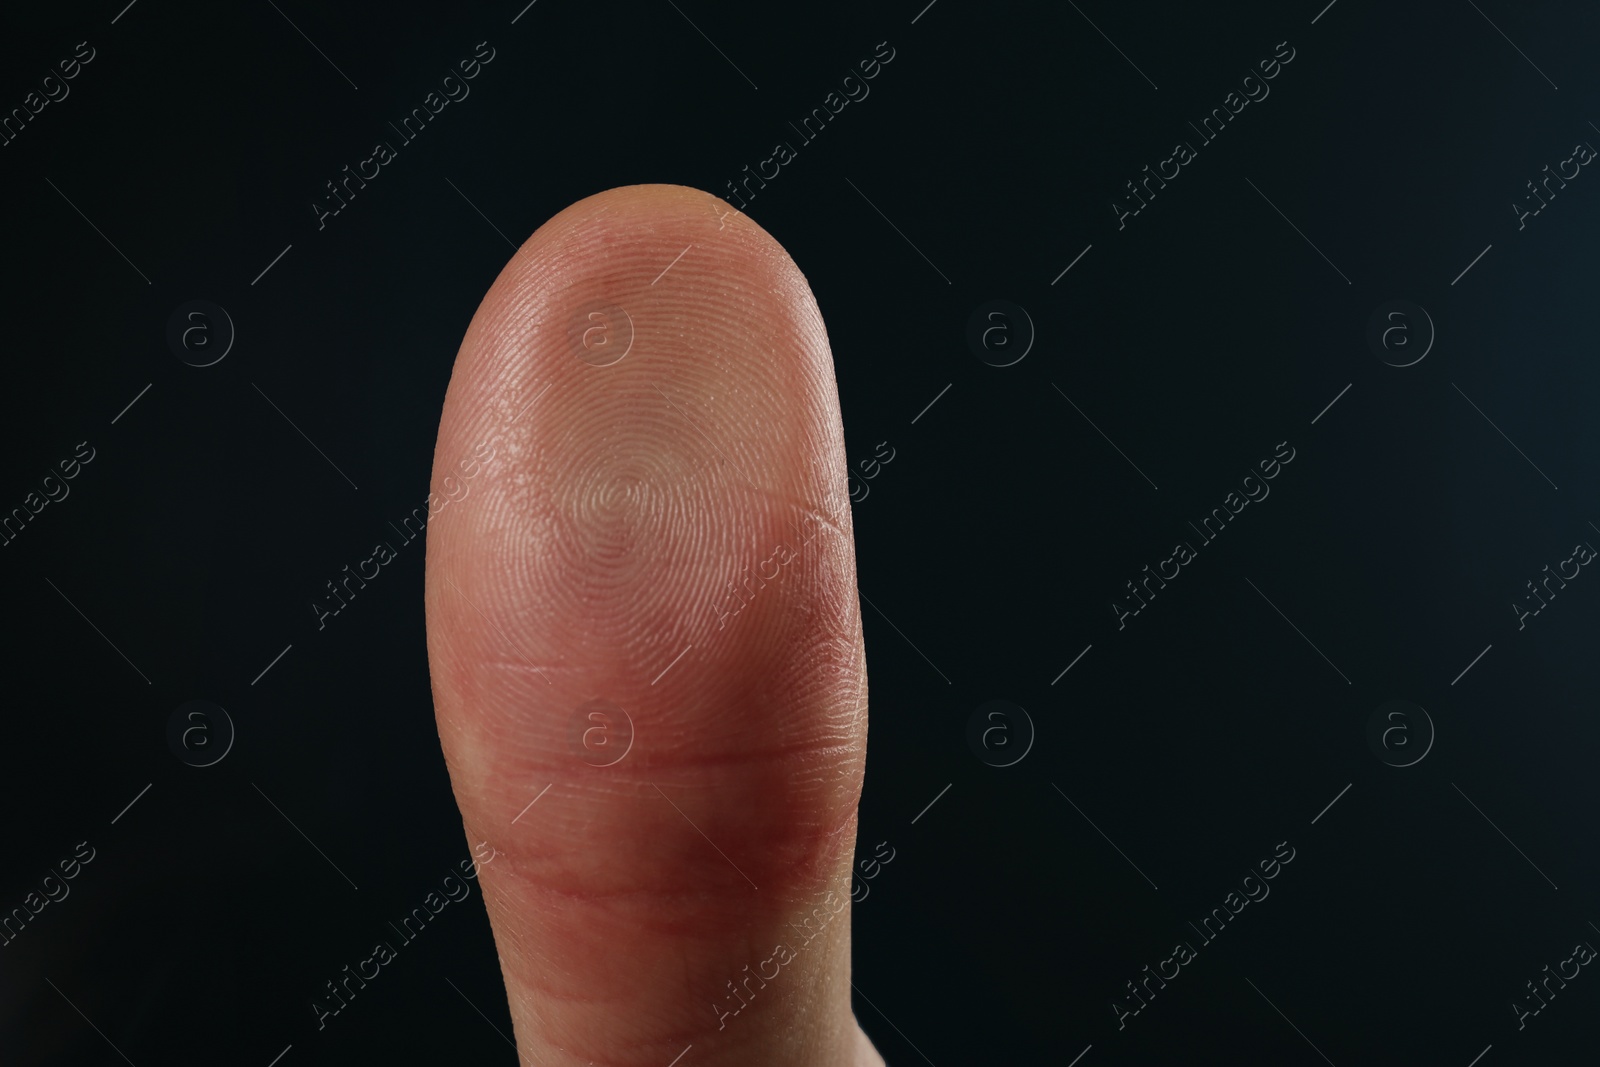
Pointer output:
x,y
642,501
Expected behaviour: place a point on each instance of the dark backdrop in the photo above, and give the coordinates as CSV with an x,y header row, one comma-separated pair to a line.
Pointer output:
x,y
1156,757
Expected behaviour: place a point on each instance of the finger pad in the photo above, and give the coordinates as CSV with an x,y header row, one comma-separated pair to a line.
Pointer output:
x,y
661,524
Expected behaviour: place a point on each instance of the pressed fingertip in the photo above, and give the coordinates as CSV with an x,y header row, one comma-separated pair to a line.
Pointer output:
x,y
652,552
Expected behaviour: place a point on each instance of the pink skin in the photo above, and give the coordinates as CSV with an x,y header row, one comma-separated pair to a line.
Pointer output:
x,y
590,527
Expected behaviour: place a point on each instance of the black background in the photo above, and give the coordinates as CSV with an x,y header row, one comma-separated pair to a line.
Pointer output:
x,y
1219,722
